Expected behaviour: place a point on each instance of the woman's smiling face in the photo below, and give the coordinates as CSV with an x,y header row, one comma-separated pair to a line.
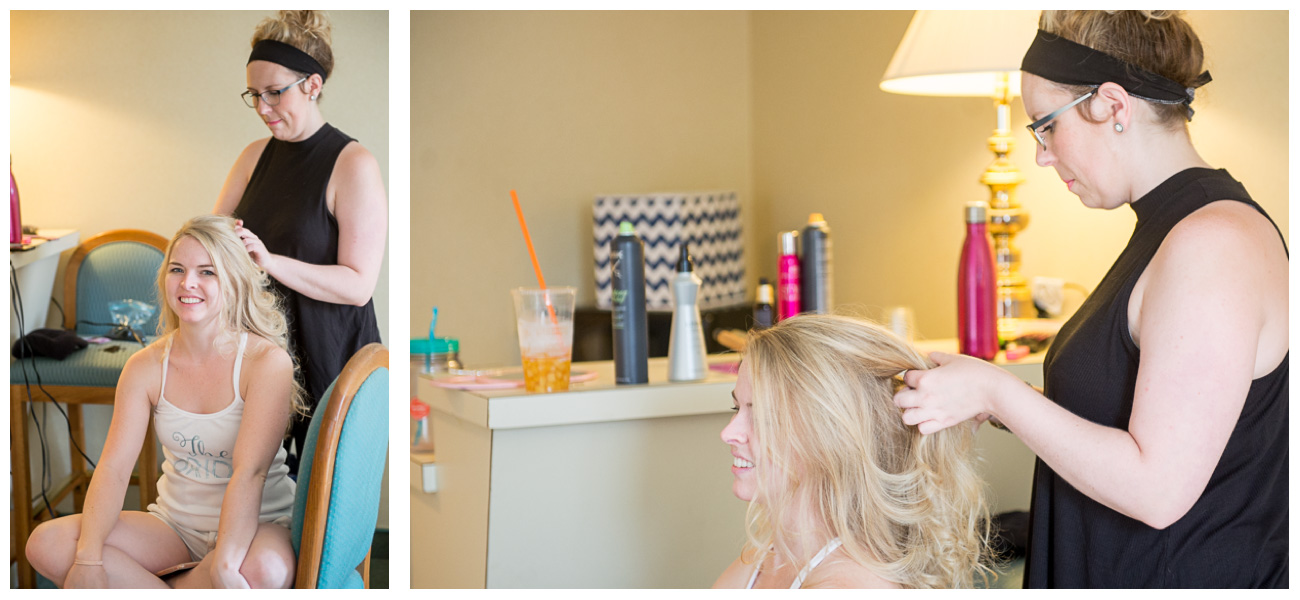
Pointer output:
x,y
193,288
738,434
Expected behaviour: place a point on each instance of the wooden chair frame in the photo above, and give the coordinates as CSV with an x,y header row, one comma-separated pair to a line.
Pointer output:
x,y
355,373
26,517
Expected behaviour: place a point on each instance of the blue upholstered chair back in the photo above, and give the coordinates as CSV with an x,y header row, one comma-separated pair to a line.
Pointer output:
x,y
117,271
353,486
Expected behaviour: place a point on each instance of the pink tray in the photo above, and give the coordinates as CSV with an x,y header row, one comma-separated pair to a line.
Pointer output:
x,y
503,379
728,367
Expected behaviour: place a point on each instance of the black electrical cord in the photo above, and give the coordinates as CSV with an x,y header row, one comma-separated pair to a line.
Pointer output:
x,y
39,384
117,326
62,315
16,299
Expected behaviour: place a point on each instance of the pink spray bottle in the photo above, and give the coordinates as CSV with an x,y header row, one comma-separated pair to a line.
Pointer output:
x,y
788,280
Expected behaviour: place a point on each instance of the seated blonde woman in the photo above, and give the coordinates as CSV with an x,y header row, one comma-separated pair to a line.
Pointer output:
x,y
219,383
842,494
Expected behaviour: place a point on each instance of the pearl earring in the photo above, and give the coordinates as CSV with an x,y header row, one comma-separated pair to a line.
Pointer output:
x,y
1118,128
313,97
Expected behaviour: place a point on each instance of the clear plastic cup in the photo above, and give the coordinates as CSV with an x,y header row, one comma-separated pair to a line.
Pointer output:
x,y
545,323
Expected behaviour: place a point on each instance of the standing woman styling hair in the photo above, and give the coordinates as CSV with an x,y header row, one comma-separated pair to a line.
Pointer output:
x,y
219,382
1161,434
311,203
841,494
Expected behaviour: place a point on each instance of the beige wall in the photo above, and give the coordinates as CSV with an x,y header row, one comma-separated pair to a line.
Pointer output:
x,y
782,106
133,119
891,172
561,107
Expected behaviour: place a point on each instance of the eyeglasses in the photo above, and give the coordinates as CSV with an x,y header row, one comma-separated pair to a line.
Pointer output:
x,y
270,97
1041,123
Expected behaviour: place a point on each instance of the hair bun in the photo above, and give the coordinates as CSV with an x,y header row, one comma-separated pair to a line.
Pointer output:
x,y
306,30
1158,15
307,22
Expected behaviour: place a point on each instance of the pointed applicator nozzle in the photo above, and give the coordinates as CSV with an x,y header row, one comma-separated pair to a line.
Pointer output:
x,y
685,264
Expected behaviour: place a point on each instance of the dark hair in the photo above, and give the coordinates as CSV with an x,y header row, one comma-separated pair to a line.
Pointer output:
x,y
1160,41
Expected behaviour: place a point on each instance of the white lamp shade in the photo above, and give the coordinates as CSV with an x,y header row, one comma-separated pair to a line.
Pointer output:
x,y
960,52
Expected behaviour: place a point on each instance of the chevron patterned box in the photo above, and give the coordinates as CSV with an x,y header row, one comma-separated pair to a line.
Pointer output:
x,y
708,221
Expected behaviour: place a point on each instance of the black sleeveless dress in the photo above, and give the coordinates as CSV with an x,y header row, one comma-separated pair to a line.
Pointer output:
x,y
1235,535
284,204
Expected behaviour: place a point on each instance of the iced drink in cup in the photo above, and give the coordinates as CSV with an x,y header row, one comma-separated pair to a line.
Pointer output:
x,y
545,321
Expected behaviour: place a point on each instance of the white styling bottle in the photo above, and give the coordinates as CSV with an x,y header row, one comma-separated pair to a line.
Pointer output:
x,y
686,338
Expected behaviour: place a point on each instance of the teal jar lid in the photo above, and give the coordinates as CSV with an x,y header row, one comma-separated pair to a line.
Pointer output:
x,y
435,346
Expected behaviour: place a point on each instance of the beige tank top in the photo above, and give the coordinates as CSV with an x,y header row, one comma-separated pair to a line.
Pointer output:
x,y
199,459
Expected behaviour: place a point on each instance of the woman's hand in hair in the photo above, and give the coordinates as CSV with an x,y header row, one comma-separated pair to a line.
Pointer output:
x,y
960,389
253,244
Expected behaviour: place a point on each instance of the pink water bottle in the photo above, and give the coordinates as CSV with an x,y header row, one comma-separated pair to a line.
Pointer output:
x,y
788,279
977,312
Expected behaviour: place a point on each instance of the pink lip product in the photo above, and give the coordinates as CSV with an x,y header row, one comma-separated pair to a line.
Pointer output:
x,y
788,278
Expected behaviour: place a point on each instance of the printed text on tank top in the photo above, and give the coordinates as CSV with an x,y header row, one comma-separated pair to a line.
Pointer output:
x,y
203,460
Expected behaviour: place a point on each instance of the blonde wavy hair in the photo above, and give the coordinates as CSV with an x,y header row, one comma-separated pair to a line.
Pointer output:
x,y
248,302
910,508
306,30
1160,41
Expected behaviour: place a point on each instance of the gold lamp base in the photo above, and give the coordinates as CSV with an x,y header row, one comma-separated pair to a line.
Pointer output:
x,y
1006,219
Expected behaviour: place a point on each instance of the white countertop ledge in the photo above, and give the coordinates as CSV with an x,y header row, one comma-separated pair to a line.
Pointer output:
x,y
600,400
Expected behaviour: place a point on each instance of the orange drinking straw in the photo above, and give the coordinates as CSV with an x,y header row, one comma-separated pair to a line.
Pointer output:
x,y
537,268
519,212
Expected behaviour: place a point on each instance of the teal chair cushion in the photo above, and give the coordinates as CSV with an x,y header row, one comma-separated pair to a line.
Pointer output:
x,y
97,365
358,475
112,272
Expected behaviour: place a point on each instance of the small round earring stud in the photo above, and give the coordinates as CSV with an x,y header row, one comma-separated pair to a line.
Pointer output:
x,y
1118,128
313,97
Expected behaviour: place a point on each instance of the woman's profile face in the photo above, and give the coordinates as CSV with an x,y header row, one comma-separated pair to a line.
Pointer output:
x,y
738,434
288,118
192,287
1074,147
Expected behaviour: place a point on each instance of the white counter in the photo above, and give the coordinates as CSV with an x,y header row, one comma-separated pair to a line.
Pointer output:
x,y
36,267
596,401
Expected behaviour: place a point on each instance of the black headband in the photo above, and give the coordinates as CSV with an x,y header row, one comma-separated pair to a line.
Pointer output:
x,y
1055,58
286,56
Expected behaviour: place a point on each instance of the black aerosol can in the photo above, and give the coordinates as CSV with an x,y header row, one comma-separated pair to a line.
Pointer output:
x,y
764,313
815,266
627,287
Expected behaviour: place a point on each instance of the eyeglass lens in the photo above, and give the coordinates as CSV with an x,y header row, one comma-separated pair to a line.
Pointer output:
x,y
270,97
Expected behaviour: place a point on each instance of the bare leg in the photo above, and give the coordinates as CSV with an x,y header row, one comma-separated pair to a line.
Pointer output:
x,y
196,578
125,573
269,563
138,545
